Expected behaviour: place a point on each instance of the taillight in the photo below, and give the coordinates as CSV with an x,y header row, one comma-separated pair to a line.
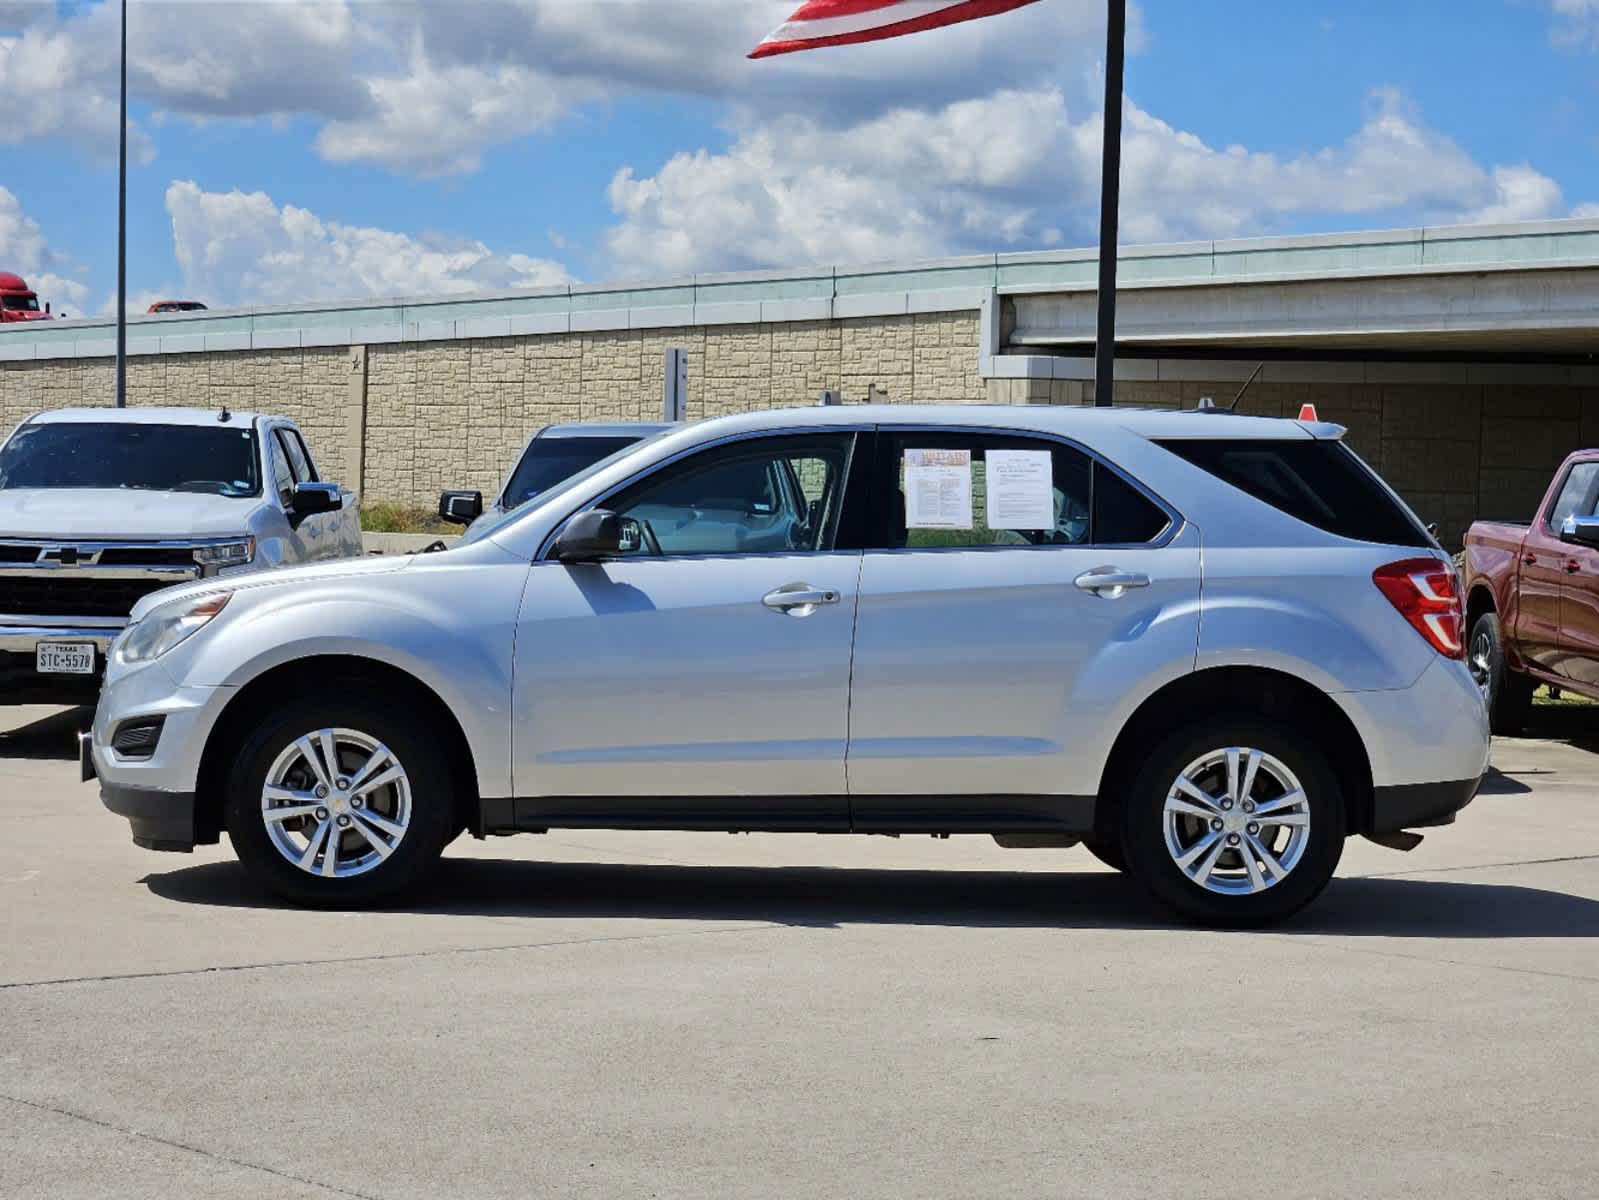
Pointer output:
x,y
1427,594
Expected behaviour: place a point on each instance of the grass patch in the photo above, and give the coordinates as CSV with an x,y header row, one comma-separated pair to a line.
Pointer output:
x,y
1543,698
387,517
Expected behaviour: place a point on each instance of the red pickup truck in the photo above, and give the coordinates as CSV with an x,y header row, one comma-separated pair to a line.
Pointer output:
x,y
1532,597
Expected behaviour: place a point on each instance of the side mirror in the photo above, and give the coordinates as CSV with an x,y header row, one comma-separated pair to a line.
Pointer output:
x,y
47,308
309,499
596,535
1580,531
460,508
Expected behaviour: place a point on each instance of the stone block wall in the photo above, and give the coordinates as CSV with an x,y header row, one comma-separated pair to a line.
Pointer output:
x,y
455,413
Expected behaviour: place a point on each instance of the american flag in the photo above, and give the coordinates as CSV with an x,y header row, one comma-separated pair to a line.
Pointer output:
x,y
842,22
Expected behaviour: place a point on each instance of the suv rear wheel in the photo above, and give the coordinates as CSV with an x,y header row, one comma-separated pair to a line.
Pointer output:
x,y
1236,822
339,801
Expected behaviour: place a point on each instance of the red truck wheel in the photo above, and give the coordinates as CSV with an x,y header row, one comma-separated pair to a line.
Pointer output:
x,y
1508,693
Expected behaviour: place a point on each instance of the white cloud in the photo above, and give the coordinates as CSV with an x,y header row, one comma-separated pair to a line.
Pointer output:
x,y
201,61
436,120
1521,194
1014,169
1590,211
1576,22
23,249
237,247
425,88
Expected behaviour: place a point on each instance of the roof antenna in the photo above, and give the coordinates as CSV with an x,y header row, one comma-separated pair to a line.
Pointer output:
x,y
1255,374
224,416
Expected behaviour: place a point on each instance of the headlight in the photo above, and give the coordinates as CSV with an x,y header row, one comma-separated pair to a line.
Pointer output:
x,y
226,554
168,626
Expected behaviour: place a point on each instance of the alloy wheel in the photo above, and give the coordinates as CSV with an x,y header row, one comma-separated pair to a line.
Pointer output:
x,y
1236,821
336,803
1480,659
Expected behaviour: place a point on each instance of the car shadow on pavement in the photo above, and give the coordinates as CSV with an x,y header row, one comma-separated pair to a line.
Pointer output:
x,y
1575,724
1497,783
828,897
55,736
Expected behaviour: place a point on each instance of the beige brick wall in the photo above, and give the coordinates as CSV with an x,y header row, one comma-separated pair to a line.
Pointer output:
x,y
454,414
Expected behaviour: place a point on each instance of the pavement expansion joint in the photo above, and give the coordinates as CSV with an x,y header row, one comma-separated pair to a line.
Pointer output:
x,y
127,1131
348,960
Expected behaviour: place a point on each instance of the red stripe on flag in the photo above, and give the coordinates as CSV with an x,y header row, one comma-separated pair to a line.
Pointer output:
x,y
817,10
953,15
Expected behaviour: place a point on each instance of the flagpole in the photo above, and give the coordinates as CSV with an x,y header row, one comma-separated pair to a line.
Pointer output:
x,y
122,224
1109,205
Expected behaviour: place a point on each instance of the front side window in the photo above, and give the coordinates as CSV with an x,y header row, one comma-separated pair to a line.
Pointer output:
x,y
777,495
216,459
1578,496
282,471
955,489
299,459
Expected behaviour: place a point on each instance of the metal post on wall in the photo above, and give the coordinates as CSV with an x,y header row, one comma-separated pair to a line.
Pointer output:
x,y
674,393
1109,205
122,225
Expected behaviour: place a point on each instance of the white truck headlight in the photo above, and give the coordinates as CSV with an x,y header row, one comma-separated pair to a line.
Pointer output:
x,y
168,626
226,554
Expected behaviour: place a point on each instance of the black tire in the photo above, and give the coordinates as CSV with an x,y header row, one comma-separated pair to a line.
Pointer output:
x,y
1108,851
1144,831
1508,693
433,821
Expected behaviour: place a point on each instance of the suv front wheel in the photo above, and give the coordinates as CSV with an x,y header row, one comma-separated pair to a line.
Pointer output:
x,y
1236,822
339,801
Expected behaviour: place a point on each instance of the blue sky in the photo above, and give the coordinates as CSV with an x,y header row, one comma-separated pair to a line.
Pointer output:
x,y
325,149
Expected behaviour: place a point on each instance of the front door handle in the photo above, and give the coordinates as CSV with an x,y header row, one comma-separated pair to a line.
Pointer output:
x,y
1572,566
1111,583
798,599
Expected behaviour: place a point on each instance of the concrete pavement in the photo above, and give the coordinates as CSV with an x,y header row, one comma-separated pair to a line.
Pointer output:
x,y
696,1015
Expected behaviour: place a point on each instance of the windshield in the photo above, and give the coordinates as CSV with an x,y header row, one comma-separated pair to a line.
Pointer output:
x,y
489,524
219,460
549,460
21,303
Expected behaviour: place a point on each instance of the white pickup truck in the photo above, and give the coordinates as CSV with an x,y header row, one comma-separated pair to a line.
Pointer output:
x,y
99,507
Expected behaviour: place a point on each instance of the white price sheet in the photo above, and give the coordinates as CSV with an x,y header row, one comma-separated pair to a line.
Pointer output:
x,y
1021,489
938,489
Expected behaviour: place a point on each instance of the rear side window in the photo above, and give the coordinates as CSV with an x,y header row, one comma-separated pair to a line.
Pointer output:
x,y
1321,483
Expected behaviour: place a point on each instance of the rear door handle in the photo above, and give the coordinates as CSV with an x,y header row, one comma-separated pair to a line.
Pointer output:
x,y
798,599
1110,582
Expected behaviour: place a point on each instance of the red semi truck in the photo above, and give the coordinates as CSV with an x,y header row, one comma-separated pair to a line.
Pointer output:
x,y
17,300
1532,597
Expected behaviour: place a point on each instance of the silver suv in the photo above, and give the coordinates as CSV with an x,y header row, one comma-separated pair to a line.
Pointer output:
x,y
1207,647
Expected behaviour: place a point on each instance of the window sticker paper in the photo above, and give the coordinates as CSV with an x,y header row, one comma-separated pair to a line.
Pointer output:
x,y
1021,489
938,489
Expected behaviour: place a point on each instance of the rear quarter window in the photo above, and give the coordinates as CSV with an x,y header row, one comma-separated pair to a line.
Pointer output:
x,y
1322,483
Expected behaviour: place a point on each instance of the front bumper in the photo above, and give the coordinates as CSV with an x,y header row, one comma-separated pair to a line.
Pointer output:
x,y
160,820
20,680
156,793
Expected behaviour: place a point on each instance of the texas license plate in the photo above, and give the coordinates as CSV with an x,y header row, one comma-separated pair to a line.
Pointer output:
x,y
64,658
